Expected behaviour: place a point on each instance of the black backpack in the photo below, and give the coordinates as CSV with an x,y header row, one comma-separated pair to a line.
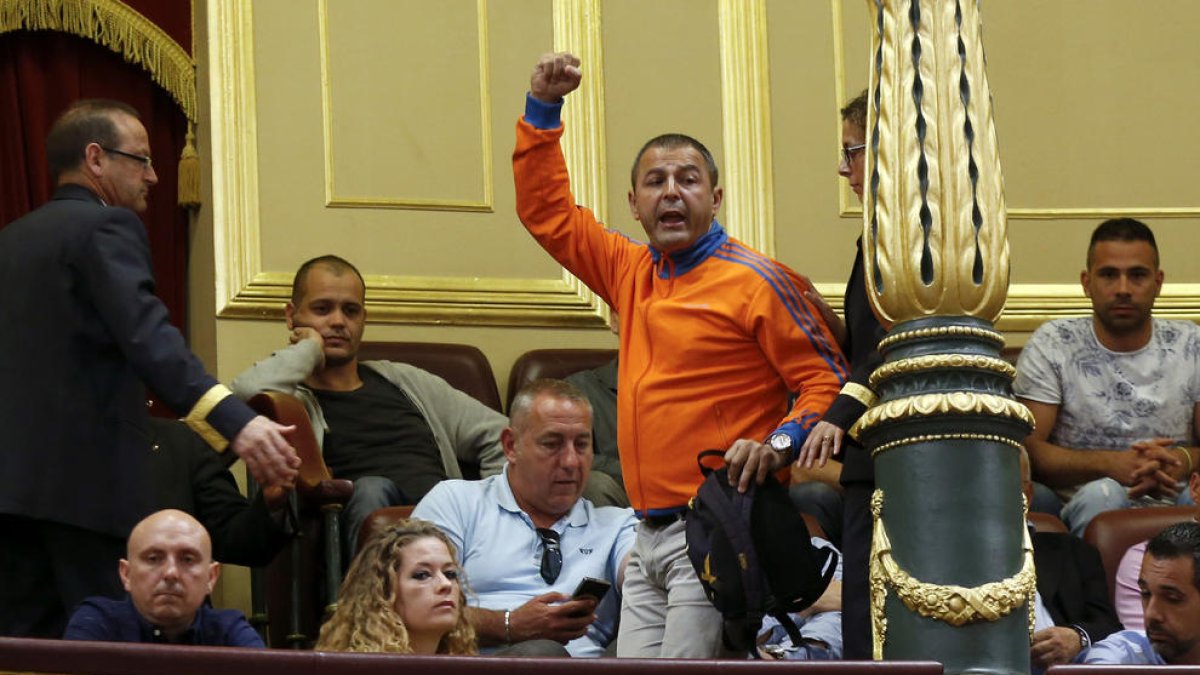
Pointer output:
x,y
753,555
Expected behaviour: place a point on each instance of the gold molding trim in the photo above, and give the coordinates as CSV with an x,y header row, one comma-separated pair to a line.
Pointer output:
x,y
749,207
950,603
930,438
849,208
245,291
918,364
1096,213
234,150
946,403
1031,305
1099,213
941,331
486,204
577,29
120,28
444,301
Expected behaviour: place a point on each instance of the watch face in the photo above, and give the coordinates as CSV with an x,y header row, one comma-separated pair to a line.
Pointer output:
x,y
781,441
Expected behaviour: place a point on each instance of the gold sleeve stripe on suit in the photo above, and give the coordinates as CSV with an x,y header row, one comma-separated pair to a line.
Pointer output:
x,y
197,418
859,393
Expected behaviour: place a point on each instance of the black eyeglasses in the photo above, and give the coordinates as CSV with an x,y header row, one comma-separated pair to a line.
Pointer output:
x,y
850,151
144,159
551,554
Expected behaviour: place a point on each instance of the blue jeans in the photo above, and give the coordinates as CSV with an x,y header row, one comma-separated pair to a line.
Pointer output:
x,y
370,493
1045,501
1098,496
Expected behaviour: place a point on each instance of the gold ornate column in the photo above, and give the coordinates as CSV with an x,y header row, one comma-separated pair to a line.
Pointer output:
x,y
951,568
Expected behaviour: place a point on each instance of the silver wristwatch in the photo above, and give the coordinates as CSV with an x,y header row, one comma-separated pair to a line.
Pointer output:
x,y
781,443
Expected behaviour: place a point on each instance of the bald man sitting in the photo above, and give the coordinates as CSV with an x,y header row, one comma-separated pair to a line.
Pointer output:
x,y
168,574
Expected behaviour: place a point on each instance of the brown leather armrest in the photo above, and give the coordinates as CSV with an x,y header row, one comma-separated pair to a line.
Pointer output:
x,y
332,491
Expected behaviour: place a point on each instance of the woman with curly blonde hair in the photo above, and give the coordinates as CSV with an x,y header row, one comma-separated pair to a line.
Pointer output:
x,y
402,594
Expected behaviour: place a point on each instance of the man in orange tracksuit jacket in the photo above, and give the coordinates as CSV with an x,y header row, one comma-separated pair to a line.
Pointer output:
x,y
715,337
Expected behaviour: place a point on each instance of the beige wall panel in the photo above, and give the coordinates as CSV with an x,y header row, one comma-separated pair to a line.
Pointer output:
x,y
430,146
404,93
810,235
662,74
1094,102
1091,114
1093,121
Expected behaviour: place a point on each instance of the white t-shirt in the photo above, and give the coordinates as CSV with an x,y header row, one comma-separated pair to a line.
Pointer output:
x,y
1110,400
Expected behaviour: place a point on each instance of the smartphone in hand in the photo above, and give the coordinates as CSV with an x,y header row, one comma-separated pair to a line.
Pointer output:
x,y
590,587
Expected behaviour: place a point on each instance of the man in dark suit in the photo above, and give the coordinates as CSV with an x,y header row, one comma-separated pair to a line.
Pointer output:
x,y
82,332
1072,589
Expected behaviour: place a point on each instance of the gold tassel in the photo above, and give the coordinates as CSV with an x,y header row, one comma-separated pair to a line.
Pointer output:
x,y
189,172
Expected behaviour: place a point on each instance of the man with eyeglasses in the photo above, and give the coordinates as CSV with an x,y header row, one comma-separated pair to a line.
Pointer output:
x,y
526,538
83,334
833,477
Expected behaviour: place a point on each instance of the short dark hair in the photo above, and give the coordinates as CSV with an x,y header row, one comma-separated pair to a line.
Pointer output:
x,y
1181,540
338,264
855,111
670,142
521,404
1122,229
84,122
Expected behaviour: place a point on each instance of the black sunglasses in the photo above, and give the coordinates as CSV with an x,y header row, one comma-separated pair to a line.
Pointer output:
x,y
551,554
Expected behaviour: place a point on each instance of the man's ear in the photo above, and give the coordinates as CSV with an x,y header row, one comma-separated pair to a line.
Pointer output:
x,y
214,573
718,197
289,310
123,571
91,159
633,206
508,440
1084,277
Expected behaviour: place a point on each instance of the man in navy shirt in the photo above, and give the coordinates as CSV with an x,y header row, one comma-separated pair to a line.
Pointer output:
x,y
169,573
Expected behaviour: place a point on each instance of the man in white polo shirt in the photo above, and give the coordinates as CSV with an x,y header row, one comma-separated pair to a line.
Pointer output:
x,y
526,537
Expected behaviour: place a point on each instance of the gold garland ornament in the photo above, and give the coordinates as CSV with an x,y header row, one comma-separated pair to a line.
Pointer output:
x,y
124,30
952,604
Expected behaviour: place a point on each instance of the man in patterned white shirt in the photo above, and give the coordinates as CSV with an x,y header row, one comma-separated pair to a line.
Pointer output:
x,y
1115,394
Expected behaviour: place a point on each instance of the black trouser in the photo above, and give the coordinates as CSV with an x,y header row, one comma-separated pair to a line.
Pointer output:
x,y
856,552
47,568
